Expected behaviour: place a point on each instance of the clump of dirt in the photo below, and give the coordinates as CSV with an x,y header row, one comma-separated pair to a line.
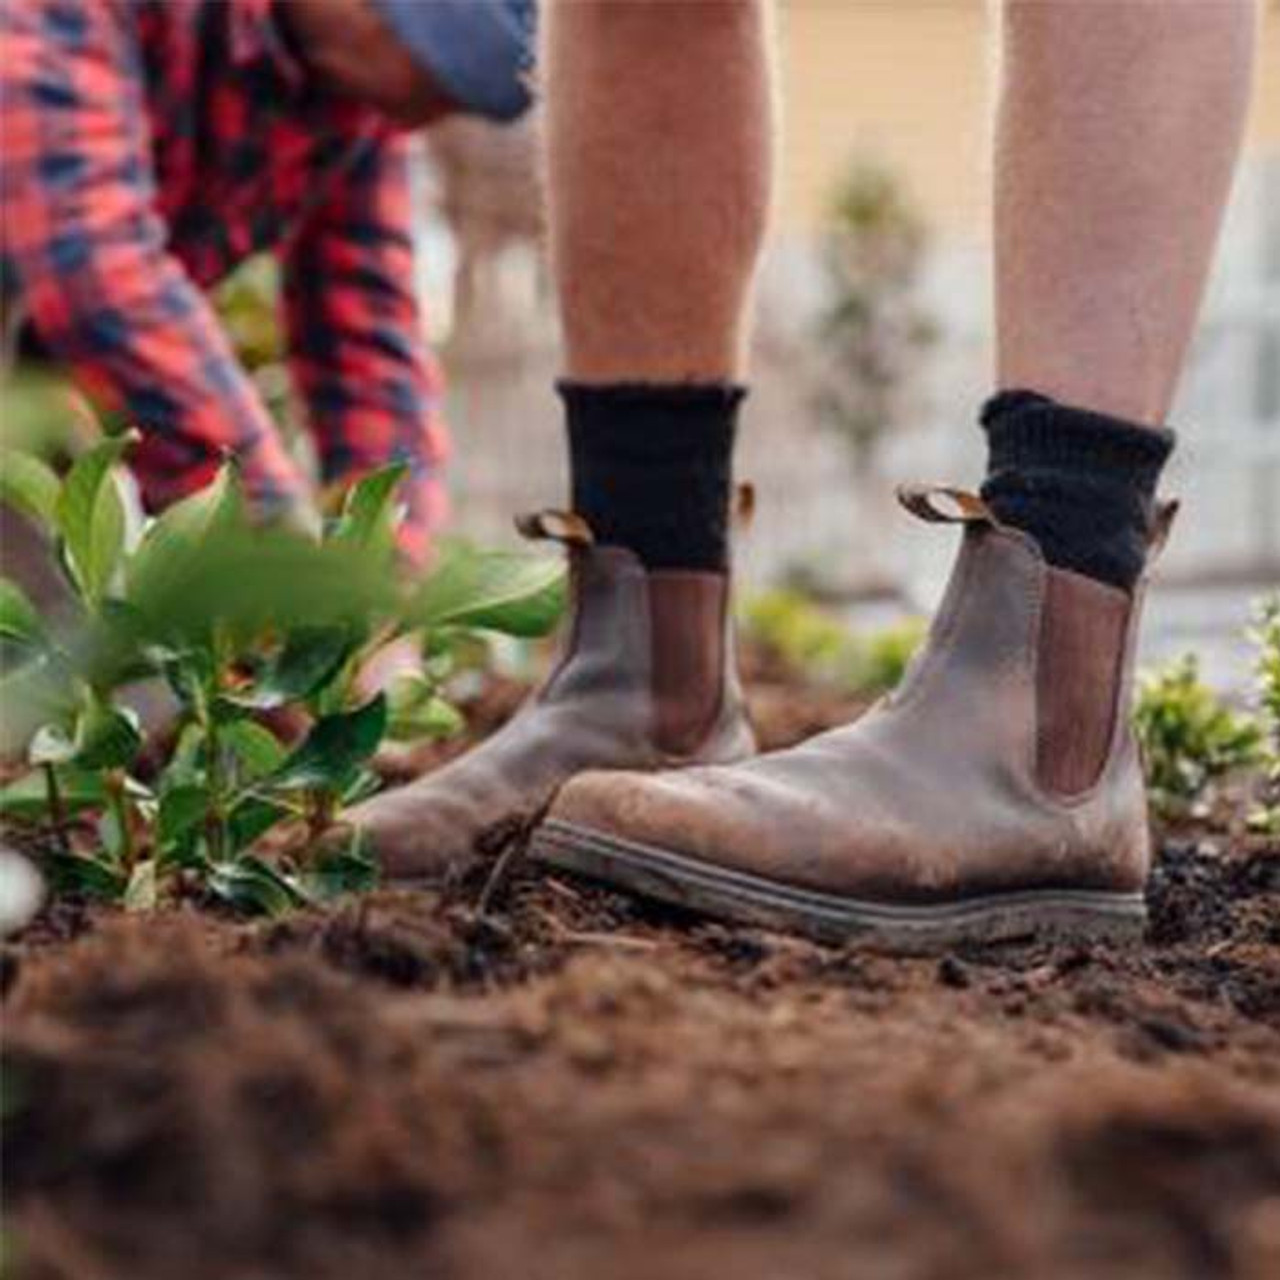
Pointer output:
x,y
251,1108
576,1084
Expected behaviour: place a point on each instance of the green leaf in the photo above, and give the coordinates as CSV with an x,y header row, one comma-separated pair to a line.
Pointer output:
x,y
252,817
107,737
142,892
18,617
311,657
174,536
439,718
51,745
40,691
29,486
250,580
503,591
92,877
256,749
369,511
90,517
350,870
217,507
27,798
416,710
335,748
364,784
111,649
186,762
111,838
250,884
189,671
39,414
182,811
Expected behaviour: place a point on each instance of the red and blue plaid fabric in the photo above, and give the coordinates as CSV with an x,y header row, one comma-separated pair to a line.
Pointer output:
x,y
151,145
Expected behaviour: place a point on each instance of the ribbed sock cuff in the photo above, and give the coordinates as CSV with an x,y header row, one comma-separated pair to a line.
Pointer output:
x,y
652,467
1081,483
1026,428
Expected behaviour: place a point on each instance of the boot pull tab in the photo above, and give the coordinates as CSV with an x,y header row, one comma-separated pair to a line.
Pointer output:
x,y
566,527
1161,526
744,505
942,504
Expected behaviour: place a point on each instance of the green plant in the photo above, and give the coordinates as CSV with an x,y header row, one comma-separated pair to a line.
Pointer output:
x,y
239,622
1191,739
886,654
249,306
873,330
811,640
1266,635
793,628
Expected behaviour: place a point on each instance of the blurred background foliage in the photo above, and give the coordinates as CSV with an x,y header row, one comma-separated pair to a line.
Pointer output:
x,y
874,328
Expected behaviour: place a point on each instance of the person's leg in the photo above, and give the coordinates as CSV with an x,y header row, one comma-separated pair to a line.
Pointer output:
x,y
658,168
1117,133
999,791
1116,141
657,159
658,138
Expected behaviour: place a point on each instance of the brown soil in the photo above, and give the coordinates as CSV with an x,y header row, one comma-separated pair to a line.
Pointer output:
x,y
576,1085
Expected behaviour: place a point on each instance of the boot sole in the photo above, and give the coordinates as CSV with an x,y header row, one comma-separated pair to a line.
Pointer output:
x,y
1068,915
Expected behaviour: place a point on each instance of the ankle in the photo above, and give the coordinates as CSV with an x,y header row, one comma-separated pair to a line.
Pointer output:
x,y
1080,483
652,468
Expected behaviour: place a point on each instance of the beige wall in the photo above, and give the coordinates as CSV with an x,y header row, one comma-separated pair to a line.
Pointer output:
x,y
909,79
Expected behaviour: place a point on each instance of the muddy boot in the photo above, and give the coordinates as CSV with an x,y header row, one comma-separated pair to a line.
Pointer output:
x,y
998,793
646,680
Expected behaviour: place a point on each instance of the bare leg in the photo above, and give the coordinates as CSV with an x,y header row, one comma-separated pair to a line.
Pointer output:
x,y
1118,130
658,158
997,793
658,137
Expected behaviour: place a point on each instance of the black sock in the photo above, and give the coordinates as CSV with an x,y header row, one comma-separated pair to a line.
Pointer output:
x,y
652,468
1082,484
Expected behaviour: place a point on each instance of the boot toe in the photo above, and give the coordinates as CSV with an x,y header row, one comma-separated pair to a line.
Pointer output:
x,y
412,832
696,812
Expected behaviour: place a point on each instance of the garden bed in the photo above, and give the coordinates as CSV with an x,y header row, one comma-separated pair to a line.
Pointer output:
x,y
577,1085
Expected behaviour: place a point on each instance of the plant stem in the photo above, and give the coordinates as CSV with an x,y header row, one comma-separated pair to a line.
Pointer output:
x,y
57,811
321,805
215,823
116,797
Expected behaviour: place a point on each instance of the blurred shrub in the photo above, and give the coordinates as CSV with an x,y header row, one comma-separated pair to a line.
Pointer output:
x,y
1266,634
810,640
794,629
887,652
248,304
873,330
1191,738
43,414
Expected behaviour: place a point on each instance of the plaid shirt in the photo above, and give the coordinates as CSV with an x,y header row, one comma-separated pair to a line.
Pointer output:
x,y
149,147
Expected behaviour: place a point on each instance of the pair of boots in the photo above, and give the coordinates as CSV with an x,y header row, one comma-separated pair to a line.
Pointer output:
x,y
996,794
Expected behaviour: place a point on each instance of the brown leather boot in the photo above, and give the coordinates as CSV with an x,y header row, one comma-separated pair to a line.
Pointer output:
x,y
998,793
646,680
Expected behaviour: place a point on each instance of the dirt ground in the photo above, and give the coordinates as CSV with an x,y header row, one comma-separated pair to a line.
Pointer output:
x,y
574,1085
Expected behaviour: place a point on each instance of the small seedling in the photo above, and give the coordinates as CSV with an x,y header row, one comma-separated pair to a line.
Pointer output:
x,y
241,623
